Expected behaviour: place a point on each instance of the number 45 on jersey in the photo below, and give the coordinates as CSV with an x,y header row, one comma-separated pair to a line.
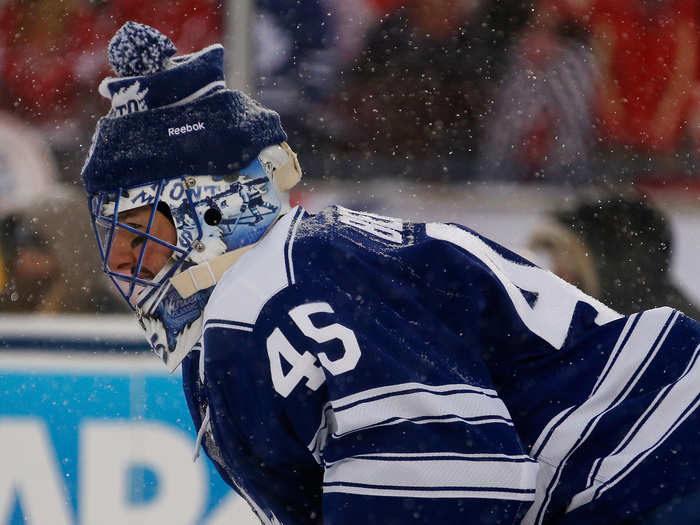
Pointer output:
x,y
303,365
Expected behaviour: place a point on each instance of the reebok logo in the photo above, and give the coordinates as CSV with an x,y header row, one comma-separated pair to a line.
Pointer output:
x,y
187,128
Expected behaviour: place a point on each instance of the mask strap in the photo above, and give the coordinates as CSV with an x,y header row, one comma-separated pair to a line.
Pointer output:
x,y
206,274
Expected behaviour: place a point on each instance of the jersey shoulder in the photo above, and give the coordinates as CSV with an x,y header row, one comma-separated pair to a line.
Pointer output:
x,y
364,229
300,246
259,274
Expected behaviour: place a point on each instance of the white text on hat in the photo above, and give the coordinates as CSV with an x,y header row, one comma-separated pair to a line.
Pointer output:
x,y
187,128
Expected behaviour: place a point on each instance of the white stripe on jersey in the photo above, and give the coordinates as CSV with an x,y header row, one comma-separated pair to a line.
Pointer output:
x,y
290,260
670,408
229,326
402,387
408,402
630,357
418,403
548,428
438,475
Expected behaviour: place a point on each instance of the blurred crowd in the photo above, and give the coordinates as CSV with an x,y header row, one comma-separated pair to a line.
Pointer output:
x,y
578,92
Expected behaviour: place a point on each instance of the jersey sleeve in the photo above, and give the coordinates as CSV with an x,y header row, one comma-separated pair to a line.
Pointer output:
x,y
350,396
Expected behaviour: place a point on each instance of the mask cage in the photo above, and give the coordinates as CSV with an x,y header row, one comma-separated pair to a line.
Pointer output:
x,y
214,214
105,227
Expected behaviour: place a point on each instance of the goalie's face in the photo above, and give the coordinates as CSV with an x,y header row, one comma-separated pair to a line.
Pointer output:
x,y
138,245
136,255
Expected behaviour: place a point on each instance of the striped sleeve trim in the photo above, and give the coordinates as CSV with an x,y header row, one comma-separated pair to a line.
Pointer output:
x,y
232,325
436,475
374,393
669,409
637,345
289,243
408,402
417,403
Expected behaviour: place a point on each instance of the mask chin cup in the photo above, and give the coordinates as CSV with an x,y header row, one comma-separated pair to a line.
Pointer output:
x,y
156,334
173,324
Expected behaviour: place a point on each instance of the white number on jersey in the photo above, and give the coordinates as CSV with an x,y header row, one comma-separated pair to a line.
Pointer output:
x,y
386,228
304,365
552,312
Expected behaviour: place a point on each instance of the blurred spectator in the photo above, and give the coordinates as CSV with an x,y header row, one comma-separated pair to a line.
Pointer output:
x,y
297,52
616,247
28,264
48,259
542,125
421,87
293,52
46,253
648,52
27,166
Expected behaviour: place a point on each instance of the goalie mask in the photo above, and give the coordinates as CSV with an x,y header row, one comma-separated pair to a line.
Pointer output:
x,y
182,175
210,216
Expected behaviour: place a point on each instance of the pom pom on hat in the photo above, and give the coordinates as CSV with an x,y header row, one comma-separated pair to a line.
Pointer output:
x,y
138,49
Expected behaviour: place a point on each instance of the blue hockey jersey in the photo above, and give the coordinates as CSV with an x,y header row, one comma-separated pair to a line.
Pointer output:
x,y
357,368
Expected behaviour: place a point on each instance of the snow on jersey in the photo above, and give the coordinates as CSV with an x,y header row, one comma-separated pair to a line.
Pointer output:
x,y
356,367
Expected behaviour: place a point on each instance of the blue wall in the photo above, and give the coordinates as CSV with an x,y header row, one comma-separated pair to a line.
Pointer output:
x,y
106,437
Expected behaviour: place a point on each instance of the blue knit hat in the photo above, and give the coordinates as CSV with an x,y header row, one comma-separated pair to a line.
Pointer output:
x,y
171,116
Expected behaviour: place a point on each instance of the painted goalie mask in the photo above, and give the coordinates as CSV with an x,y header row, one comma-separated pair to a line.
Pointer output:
x,y
211,216
166,238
